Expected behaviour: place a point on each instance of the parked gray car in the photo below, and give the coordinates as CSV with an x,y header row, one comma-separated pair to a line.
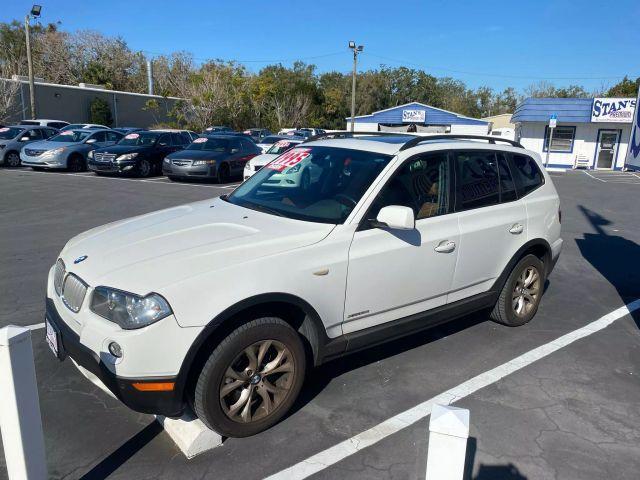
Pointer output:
x,y
14,138
68,149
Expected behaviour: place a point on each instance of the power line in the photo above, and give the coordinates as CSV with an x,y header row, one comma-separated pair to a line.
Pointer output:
x,y
484,74
282,60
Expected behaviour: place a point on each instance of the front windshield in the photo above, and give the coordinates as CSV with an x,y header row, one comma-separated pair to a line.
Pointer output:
x,y
72,136
73,126
211,144
316,184
7,133
139,139
282,146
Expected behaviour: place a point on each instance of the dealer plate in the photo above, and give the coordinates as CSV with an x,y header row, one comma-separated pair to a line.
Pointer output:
x,y
52,338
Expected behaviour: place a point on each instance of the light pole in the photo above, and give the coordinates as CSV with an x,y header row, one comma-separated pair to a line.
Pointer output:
x,y
356,51
35,13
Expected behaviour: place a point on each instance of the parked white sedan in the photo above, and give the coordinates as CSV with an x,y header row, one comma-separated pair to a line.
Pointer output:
x,y
278,148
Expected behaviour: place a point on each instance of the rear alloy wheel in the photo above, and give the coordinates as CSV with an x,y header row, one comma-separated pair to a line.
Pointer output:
x,y
223,173
251,379
76,164
144,168
521,294
12,159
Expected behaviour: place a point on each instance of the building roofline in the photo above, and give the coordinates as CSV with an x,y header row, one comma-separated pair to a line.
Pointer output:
x,y
414,103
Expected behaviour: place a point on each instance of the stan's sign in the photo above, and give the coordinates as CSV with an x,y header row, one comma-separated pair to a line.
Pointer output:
x,y
413,116
613,110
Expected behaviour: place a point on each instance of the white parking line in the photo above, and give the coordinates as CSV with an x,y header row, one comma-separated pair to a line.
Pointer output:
x,y
35,326
346,448
159,180
595,178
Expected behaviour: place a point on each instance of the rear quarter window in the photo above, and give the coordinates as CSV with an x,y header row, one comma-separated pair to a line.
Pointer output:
x,y
526,174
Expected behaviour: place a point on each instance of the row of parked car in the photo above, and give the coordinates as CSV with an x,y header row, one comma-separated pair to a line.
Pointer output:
x,y
218,152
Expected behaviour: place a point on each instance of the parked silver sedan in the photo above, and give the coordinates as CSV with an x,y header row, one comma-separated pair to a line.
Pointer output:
x,y
68,149
14,138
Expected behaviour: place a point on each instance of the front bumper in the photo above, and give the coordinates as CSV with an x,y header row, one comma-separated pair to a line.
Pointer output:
x,y
167,403
112,167
199,171
42,161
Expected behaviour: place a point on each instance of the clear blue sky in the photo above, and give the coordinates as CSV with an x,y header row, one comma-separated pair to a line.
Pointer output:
x,y
497,44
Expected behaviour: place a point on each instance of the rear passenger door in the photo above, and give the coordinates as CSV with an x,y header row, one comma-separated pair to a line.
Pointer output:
x,y
492,220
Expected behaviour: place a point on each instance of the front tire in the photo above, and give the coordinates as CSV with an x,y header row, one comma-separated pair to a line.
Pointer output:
x,y
223,173
521,293
251,379
76,164
144,168
12,159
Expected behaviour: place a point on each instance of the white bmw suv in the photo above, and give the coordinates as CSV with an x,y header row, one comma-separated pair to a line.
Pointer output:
x,y
222,305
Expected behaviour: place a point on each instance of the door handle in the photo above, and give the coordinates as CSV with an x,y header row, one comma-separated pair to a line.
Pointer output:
x,y
516,229
445,246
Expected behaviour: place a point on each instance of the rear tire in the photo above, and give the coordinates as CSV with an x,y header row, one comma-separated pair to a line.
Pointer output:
x,y
521,294
251,379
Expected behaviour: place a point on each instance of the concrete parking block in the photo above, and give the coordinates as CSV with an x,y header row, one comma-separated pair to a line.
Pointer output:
x,y
190,435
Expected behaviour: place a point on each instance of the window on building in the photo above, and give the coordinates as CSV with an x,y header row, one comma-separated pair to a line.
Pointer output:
x,y
562,141
477,180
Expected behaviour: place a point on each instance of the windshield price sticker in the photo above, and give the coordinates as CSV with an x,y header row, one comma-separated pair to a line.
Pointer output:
x,y
4,129
67,132
283,143
200,140
132,136
289,159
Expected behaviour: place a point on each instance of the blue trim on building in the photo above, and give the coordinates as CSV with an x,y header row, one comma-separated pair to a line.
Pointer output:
x,y
546,134
433,116
568,110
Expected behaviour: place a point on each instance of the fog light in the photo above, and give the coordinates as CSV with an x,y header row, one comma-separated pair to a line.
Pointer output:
x,y
115,350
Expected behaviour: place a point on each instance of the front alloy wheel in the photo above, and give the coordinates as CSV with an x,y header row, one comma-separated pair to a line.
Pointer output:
x,y
12,159
251,379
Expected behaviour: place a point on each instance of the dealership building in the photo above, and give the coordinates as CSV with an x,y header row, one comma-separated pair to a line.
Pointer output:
x,y
424,118
590,132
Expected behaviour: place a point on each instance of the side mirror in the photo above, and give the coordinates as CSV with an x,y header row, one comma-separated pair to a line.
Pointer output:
x,y
235,150
24,139
395,217
91,140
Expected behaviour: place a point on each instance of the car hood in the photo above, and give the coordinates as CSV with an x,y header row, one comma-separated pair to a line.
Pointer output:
x,y
45,145
120,149
197,155
263,159
145,253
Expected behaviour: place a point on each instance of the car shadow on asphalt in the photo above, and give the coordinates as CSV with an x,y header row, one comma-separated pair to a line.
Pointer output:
x,y
488,472
318,378
615,257
124,452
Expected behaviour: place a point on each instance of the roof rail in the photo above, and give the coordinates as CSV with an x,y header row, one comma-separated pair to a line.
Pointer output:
x,y
355,134
448,136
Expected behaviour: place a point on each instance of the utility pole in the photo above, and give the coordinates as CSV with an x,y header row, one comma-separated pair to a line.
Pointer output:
x,y
356,51
35,13
150,76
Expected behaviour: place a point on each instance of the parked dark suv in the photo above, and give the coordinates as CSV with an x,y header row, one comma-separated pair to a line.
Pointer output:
x,y
139,153
212,156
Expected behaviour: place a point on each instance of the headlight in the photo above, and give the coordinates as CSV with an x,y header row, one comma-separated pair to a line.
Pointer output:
x,y
293,169
55,151
126,156
203,162
128,310
90,154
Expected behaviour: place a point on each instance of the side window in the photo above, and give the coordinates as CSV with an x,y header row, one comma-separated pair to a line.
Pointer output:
x,y
422,183
526,174
35,134
99,137
507,185
49,132
164,140
176,138
113,136
476,180
56,124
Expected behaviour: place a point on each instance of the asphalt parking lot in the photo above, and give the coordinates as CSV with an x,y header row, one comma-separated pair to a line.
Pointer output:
x,y
574,414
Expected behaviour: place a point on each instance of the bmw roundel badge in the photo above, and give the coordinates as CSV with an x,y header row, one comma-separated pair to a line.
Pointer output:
x,y
80,259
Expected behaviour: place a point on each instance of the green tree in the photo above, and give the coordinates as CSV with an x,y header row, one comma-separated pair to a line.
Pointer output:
x,y
100,112
625,88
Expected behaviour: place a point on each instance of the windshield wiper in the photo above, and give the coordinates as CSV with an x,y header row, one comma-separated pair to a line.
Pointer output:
x,y
262,208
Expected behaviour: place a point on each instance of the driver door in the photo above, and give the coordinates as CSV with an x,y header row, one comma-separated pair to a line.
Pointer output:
x,y
396,273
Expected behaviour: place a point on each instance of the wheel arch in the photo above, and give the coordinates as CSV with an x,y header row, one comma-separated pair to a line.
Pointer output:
x,y
295,311
538,247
